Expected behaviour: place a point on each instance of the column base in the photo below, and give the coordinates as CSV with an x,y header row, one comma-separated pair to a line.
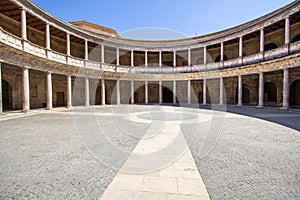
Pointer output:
x,y
260,106
49,108
284,107
239,105
26,111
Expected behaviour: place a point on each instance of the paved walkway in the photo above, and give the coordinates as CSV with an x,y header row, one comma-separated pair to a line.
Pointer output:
x,y
159,168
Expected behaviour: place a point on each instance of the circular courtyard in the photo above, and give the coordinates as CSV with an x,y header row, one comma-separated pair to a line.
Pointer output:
x,y
84,152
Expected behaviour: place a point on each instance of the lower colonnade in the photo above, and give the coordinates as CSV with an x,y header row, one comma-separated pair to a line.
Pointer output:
x,y
25,88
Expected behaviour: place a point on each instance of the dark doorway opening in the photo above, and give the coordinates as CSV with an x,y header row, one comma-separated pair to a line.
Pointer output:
x,y
6,95
98,96
245,94
167,95
60,99
295,93
270,92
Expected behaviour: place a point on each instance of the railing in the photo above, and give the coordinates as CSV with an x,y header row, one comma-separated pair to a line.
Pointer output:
x,y
16,42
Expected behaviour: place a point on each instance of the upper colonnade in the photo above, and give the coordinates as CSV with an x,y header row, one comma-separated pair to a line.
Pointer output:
x,y
271,36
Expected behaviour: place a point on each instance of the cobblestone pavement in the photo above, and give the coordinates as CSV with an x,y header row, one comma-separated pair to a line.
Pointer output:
x,y
49,156
251,159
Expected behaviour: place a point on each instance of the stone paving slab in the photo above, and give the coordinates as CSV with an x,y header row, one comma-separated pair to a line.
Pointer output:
x,y
144,179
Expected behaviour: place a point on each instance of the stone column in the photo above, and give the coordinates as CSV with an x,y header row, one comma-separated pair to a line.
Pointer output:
x,y
204,91
262,40
261,90
102,54
118,56
221,91
23,25
240,90
160,92
87,92
49,90
189,92
26,93
174,58
68,45
204,55
1,106
189,57
118,101
146,59
103,91
287,30
132,58
48,38
222,52
286,89
160,59
132,92
146,92
86,50
241,47
174,92
69,91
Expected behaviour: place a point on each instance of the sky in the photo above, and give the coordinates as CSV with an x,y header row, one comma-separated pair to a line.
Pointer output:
x,y
169,19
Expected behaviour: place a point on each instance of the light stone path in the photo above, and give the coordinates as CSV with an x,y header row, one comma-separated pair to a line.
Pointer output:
x,y
149,174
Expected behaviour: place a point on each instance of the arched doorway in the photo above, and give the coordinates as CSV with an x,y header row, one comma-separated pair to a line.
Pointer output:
x,y
270,46
245,94
167,95
6,95
270,92
295,93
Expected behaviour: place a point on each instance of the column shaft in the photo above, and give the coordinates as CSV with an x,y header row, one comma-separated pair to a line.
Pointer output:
x,y
241,47
118,101
69,91
204,55
49,90
146,59
146,92
287,30
132,92
189,92
118,56
189,57
132,58
26,94
240,90
86,49
261,89
221,91
160,92
48,38
87,92
160,59
68,45
103,92
262,40
222,51
174,92
286,89
174,58
23,25
204,91
102,54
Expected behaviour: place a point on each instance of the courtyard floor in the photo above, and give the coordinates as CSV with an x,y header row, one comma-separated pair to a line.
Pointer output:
x,y
150,152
